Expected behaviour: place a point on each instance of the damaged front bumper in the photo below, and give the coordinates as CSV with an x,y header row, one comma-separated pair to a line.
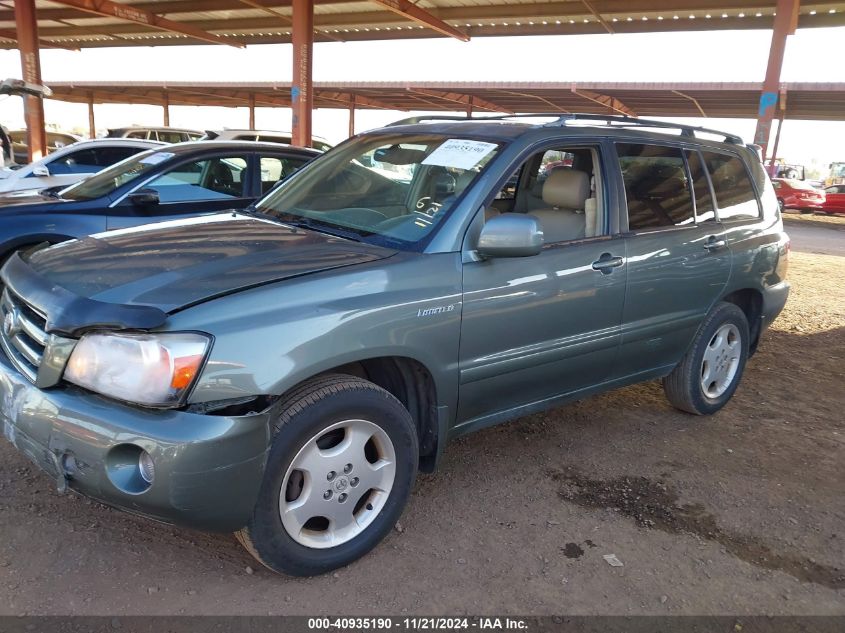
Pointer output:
x,y
207,468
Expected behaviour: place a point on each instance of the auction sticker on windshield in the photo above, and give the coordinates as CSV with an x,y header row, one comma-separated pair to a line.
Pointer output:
x,y
459,153
158,157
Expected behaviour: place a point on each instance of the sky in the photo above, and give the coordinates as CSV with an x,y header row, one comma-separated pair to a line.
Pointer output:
x,y
712,56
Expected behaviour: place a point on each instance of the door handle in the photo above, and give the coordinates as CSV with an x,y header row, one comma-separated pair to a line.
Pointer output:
x,y
712,244
607,262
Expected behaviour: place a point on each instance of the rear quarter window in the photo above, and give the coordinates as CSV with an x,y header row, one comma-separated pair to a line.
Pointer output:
x,y
735,195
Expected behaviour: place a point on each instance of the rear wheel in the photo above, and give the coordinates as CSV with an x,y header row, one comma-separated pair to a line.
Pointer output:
x,y
708,375
338,475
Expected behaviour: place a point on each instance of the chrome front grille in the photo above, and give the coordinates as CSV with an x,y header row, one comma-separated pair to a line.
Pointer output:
x,y
22,334
39,356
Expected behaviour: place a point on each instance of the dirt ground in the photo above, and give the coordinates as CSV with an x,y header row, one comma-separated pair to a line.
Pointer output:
x,y
740,513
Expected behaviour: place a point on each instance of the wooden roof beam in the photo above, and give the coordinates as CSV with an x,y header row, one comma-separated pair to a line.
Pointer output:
x,y
464,99
421,16
606,100
129,13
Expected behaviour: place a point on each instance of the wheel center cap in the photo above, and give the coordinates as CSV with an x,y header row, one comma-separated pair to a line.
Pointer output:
x,y
341,484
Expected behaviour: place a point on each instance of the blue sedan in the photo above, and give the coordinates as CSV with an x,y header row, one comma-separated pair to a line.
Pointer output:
x,y
164,183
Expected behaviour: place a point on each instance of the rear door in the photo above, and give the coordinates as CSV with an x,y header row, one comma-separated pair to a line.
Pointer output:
x,y
677,252
213,183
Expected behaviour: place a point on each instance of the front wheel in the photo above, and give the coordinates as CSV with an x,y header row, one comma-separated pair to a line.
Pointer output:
x,y
339,473
709,373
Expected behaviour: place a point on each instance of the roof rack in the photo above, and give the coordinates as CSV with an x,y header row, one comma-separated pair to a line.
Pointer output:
x,y
619,120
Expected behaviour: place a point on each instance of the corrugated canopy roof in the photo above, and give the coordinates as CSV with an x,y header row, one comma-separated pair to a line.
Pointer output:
x,y
76,23
818,101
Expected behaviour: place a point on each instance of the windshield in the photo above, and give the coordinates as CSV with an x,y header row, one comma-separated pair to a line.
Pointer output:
x,y
390,190
104,182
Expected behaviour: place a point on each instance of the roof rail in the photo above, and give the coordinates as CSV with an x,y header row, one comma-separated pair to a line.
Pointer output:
x,y
619,120
626,121
419,119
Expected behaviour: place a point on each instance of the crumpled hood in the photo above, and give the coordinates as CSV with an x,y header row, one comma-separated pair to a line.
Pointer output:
x,y
172,265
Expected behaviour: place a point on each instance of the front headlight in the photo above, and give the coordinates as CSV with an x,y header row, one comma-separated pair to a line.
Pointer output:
x,y
150,369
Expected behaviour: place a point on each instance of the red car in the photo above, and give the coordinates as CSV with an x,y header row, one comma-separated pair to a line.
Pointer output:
x,y
835,199
797,194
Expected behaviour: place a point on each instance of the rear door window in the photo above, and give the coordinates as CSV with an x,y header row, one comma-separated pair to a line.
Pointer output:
x,y
276,168
656,186
732,186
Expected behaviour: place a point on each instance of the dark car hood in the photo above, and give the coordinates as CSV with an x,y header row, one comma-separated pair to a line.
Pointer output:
x,y
172,265
13,202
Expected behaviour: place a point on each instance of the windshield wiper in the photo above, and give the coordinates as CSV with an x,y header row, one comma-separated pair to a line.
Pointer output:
x,y
253,212
300,222
320,227
52,192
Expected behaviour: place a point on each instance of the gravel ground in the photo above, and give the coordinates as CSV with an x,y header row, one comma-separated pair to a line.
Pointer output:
x,y
739,513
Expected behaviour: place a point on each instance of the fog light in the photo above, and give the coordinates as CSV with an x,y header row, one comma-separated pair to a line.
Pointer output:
x,y
146,467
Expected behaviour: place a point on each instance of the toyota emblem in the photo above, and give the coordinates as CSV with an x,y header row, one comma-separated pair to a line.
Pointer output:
x,y
11,323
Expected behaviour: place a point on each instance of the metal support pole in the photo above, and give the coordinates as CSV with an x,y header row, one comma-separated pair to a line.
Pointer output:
x,y
777,139
166,107
352,117
27,32
301,94
92,128
469,108
786,21
252,112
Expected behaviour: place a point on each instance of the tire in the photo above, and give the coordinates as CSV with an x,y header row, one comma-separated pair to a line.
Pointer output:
x,y
686,387
781,205
322,429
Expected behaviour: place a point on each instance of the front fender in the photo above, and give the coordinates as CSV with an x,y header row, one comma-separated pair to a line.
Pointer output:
x,y
271,338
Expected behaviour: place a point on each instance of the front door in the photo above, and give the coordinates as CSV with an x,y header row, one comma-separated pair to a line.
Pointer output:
x,y
535,328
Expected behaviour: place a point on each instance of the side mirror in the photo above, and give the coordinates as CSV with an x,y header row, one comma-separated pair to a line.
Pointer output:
x,y
144,197
511,235
40,170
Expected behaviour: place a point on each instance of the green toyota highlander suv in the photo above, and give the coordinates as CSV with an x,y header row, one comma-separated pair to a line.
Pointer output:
x,y
283,372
